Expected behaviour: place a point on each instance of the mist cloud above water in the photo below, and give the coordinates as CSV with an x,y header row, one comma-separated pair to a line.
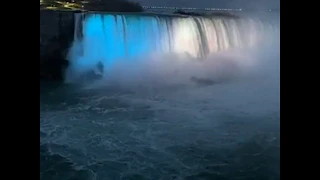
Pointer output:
x,y
169,50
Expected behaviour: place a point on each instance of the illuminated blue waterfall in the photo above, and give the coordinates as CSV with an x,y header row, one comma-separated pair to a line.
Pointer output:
x,y
107,38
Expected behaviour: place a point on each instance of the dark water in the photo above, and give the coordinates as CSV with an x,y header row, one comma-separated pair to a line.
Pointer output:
x,y
151,133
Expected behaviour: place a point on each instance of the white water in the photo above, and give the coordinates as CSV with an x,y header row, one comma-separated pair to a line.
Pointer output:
x,y
147,116
129,42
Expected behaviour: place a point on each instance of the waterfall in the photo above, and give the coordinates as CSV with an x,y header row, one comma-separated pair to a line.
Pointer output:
x,y
107,38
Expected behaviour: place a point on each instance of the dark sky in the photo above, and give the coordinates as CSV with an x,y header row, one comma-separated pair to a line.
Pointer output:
x,y
258,4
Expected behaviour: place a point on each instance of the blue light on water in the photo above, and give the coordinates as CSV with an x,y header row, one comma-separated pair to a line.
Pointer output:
x,y
110,38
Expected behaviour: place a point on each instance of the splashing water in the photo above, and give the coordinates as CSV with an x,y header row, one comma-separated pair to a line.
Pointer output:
x,y
134,41
127,127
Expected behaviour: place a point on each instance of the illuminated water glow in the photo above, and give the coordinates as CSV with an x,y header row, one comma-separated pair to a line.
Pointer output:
x,y
108,38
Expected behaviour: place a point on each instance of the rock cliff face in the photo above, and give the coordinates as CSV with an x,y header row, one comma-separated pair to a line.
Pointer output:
x,y
56,34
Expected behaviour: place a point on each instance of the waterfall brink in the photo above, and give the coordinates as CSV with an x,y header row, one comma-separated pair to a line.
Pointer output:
x,y
108,38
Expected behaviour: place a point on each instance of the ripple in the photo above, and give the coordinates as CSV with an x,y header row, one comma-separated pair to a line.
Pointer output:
x,y
166,135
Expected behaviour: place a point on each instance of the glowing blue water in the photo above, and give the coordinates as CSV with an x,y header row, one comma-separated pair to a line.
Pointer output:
x,y
110,38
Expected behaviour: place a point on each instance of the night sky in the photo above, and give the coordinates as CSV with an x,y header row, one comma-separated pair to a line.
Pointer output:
x,y
257,4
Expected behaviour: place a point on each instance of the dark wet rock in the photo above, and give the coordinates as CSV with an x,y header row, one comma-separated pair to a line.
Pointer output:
x,y
56,35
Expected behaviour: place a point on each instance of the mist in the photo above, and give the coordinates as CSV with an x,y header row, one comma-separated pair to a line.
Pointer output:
x,y
231,66
160,115
244,78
